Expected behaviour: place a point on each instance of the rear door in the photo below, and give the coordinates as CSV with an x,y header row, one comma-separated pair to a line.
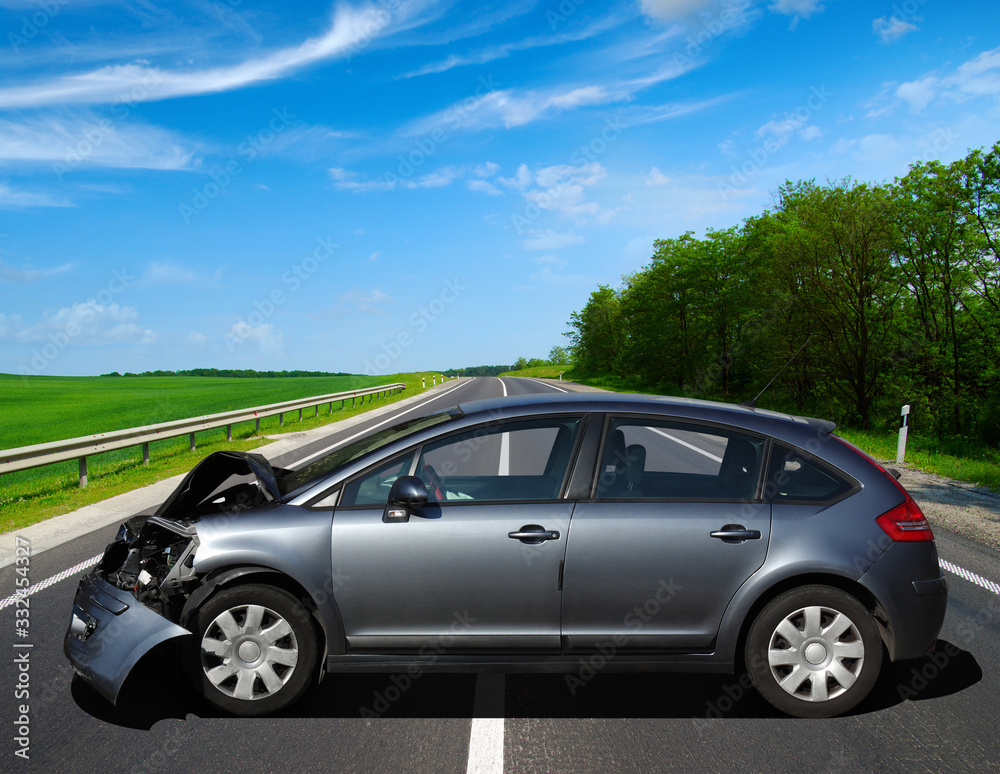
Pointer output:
x,y
674,528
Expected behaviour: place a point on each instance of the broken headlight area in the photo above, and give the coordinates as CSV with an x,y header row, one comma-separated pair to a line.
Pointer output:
x,y
152,558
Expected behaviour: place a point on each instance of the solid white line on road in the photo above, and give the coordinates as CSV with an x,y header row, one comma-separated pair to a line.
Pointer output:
x,y
486,737
547,384
394,418
692,447
502,385
979,580
49,581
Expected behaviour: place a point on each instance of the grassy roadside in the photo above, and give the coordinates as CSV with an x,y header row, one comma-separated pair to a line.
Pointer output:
x,y
30,496
541,372
979,466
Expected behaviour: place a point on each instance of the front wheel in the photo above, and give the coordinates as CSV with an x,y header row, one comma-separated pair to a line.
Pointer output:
x,y
254,650
814,652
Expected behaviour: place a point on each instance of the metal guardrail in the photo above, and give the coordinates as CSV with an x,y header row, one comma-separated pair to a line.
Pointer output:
x,y
26,457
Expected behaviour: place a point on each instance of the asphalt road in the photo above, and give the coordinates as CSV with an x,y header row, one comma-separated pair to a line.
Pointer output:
x,y
938,714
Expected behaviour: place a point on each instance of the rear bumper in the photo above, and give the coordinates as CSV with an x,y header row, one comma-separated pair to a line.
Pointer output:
x,y
109,632
913,597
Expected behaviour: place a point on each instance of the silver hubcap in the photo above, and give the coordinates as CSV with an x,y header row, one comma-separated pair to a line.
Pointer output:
x,y
816,653
249,652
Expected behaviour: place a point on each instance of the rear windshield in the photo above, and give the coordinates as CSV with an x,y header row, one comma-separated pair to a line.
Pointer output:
x,y
316,469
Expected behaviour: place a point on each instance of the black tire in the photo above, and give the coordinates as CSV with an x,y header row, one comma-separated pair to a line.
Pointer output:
x,y
814,652
254,651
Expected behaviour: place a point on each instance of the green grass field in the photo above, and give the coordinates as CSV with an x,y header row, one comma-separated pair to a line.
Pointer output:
x,y
37,409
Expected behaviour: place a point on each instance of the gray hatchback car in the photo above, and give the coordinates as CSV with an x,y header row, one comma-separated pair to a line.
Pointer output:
x,y
528,534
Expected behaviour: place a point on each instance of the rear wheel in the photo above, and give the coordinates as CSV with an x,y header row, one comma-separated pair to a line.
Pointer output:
x,y
814,652
254,651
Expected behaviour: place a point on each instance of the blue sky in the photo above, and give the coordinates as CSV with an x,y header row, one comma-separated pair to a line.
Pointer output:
x,y
421,185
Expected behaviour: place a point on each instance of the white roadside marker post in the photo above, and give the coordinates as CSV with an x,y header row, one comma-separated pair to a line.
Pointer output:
x,y
901,444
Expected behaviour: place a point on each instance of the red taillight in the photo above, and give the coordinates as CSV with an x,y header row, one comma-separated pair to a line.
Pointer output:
x,y
906,523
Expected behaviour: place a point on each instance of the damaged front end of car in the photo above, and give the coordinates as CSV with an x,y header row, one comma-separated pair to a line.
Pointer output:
x,y
134,599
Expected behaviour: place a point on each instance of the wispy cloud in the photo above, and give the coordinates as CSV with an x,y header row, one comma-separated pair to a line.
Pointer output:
x,y
90,139
890,28
29,273
14,199
492,53
349,29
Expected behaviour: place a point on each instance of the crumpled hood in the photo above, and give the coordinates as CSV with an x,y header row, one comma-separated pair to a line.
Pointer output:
x,y
209,474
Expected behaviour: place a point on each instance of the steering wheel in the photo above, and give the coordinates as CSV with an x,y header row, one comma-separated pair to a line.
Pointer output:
x,y
434,487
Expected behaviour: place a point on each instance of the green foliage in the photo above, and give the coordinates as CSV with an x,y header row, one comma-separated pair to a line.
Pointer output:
x,y
893,289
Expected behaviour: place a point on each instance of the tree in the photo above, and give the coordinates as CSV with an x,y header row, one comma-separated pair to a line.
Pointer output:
x,y
559,355
598,335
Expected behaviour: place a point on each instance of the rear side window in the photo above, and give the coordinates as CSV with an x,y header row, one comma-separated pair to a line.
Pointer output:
x,y
794,477
656,459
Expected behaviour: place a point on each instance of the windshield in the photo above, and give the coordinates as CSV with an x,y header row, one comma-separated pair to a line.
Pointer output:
x,y
338,457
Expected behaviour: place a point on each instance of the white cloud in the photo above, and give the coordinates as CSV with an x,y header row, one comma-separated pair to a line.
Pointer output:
x,y
560,189
139,82
374,256
550,240
28,273
656,177
674,10
269,340
978,77
811,132
197,339
14,199
371,302
797,9
345,180
85,138
165,273
891,28
489,54
484,186
89,322
920,93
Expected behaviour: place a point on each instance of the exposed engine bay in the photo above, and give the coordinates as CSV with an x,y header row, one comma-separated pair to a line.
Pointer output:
x,y
152,557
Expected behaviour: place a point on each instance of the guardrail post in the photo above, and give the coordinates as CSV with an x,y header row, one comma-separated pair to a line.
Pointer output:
x,y
83,472
281,420
317,411
229,432
258,425
353,399
145,454
192,441
300,415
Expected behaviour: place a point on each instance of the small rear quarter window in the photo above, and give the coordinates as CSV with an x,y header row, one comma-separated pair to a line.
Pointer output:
x,y
793,476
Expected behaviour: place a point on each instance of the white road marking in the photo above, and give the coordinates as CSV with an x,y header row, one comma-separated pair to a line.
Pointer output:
x,y
979,580
503,386
486,736
394,418
504,467
547,384
690,446
34,589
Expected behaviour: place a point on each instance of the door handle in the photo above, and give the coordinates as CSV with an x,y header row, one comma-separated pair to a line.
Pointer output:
x,y
735,533
533,534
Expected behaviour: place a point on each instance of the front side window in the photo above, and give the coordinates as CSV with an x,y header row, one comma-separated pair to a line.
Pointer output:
x,y
372,487
524,460
655,459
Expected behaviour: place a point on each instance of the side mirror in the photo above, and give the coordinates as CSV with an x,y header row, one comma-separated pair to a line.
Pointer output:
x,y
407,494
